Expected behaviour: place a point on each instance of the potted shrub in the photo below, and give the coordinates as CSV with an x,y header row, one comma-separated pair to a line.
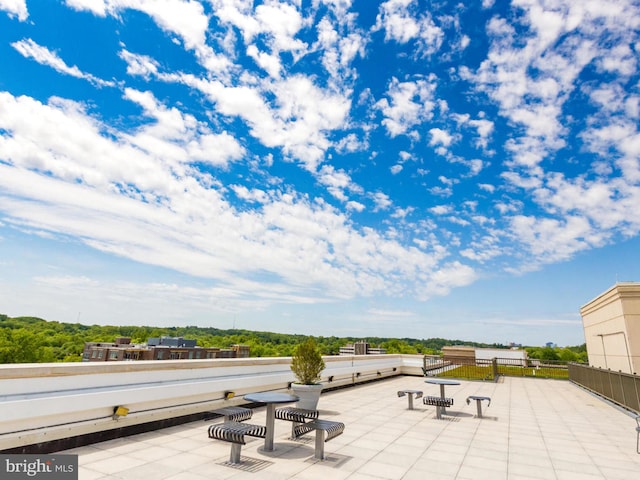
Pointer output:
x,y
307,365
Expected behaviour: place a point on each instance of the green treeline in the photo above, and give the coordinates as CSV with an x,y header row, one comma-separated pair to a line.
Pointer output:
x,y
566,354
34,340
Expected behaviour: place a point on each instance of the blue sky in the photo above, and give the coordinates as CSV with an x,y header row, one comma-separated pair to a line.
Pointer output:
x,y
403,168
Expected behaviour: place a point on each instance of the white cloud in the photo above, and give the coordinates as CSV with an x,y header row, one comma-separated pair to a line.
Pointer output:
x,y
485,129
355,206
340,45
298,122
351,143
15,8
238,14
487,187
269,63
390,313
453,275
184,18
441,191
280,22
299,115
336,181
61,139
609,204
402,22
67,281
402,212
475,166
511,207
139,65
482,251
482,126
532,76
405,156
274,25
561,41
610,97
408,104
382,201
250,195
133,196
30,49
632,106
621,137
180,137
307,113
447,181
553,240
441,209
440,137
98,7
397,21
395,169
169,300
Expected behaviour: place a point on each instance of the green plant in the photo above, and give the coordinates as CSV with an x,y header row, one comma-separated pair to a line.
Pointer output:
x,y
307,363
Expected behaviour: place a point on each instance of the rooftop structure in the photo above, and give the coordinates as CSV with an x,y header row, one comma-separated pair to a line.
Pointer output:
x,y
163,348
533,429
361,348
460,353
612,328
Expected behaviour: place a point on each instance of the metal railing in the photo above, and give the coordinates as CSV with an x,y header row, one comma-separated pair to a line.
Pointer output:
x,y
490,370
618,387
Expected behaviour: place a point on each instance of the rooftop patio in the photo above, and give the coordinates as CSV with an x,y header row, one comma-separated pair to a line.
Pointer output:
x,y
533,429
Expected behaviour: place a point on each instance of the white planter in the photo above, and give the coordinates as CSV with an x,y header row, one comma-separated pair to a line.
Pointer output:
x,y
309,395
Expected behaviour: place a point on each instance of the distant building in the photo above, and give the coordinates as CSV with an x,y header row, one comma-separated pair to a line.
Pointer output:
x,y
171,342
611,324
506,356
459,354
164,348
465,355
361,348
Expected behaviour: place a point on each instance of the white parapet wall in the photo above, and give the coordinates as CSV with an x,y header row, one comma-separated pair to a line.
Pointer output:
x,y
46,402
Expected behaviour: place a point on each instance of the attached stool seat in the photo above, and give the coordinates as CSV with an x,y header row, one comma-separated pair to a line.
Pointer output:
x,y
478,403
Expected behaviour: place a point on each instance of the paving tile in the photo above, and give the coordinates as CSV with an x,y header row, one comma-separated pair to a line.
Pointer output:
x,y
152,453
383,470
467,472
88,474
150,470
115,464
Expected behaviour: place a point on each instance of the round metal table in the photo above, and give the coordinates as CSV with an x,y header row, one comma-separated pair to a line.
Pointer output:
x,y
442,382
271,399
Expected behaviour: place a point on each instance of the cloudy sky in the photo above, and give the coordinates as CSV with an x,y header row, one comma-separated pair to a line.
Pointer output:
x,y
402,168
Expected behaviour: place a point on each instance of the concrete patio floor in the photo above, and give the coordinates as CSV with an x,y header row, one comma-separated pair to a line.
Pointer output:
x,y
534,429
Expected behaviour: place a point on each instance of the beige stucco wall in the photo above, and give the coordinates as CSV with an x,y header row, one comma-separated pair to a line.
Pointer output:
x,y
612,328
631,306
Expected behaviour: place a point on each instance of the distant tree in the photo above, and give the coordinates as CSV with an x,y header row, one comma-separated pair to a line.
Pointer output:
x,y
23,346
549,353
32,339
567,355
398,346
